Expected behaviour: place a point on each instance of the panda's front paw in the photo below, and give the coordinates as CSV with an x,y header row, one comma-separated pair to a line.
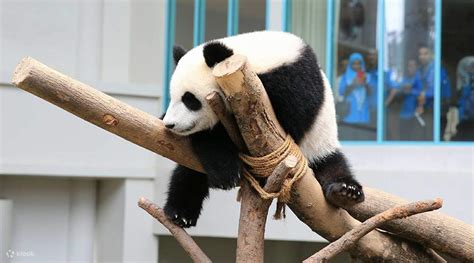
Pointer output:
x,y
224,180
181,217
345,193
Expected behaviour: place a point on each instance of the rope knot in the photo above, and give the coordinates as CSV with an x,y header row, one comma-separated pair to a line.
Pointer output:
x,y
262,167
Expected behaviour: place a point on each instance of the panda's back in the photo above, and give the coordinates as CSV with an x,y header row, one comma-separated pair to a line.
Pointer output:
x,y
266,50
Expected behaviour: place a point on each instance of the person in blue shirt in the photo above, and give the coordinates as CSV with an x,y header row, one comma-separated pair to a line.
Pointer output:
x,y
410,88
354,93
464,130
426,98
354,90
372,72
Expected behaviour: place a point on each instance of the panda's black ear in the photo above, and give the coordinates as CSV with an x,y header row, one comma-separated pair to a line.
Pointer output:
x,y
215,52
178,53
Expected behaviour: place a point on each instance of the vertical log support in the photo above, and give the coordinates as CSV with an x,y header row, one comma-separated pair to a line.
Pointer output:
x,y
263,134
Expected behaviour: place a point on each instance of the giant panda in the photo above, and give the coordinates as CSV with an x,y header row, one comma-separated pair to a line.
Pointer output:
x,y
301,98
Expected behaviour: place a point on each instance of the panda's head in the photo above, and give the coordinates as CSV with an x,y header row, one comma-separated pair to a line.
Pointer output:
x,y
192,80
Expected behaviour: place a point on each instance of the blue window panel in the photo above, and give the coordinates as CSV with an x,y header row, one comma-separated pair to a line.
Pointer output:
x,y
286,16
381,67
330,22
199,21
232,17
169,41
437,89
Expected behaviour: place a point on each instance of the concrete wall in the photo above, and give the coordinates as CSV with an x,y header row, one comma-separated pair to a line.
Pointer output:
x,y
69,188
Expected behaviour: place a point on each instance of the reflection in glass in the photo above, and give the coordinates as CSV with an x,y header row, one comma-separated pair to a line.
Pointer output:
x,y
356,69
409,82
251,15
457,116
184,23
216,19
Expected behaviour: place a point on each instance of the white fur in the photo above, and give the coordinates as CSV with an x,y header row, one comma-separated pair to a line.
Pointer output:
x,y
265,51
193,75
321,140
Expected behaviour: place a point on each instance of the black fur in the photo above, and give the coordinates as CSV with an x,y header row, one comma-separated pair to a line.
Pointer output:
x,y
191,102
188,188
296,92
339,185
215,52
178,53
187,191
219,157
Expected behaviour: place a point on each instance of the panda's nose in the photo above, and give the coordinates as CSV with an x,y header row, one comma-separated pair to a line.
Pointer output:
x,y
169,125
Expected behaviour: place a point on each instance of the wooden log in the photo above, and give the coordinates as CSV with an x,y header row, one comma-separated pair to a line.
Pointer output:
x,y
263,134
181,236
350,238
435,230
104,111
253,214
148,131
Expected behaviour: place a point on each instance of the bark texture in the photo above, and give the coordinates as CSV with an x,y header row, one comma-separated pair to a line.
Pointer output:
x,y
435,229
104,111
186,242
350,238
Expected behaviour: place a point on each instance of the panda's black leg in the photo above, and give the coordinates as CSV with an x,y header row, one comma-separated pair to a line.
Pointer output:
x,y
339,185
219,157
187,191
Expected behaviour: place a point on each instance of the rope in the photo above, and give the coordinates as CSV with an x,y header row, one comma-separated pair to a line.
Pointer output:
x,y
263,167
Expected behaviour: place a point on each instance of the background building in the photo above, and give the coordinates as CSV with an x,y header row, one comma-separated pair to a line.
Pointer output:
x,y
68,190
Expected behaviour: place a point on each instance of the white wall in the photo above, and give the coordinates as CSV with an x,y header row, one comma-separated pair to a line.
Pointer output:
x,y
51,162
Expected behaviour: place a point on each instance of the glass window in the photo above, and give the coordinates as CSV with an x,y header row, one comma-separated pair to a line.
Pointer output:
x,y
308,20
216,19
457,111
184,23
251,15
409,62
355,65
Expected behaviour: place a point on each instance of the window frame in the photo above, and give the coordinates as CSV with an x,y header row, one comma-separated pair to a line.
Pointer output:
x,y
232,29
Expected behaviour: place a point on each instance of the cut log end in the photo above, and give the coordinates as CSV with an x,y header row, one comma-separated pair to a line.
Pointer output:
x,y
290,161
22,70
229,66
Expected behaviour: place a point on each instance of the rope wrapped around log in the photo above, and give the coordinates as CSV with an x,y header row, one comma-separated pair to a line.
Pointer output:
x,y
263,166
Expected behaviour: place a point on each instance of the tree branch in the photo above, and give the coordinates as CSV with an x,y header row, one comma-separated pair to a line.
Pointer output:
x,y
350,238
188,244
253,209
436,230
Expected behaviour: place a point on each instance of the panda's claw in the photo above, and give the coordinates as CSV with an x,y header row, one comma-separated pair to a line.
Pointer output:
x,y
181,217
343,194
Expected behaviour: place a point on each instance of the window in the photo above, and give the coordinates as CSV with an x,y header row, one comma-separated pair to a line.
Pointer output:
x,y
356,68
216,19
409,85
457,113
251,15
184,23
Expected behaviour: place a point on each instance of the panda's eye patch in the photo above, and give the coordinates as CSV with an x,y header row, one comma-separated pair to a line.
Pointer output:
x,y
191,102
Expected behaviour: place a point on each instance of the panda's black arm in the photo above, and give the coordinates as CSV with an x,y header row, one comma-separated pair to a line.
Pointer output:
x,y
219,157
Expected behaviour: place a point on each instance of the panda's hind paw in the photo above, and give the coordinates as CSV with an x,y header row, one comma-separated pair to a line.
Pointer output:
x,y
182,219
344,193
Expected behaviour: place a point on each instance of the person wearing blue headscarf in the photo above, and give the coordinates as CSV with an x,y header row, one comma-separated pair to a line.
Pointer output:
x,y
354,90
